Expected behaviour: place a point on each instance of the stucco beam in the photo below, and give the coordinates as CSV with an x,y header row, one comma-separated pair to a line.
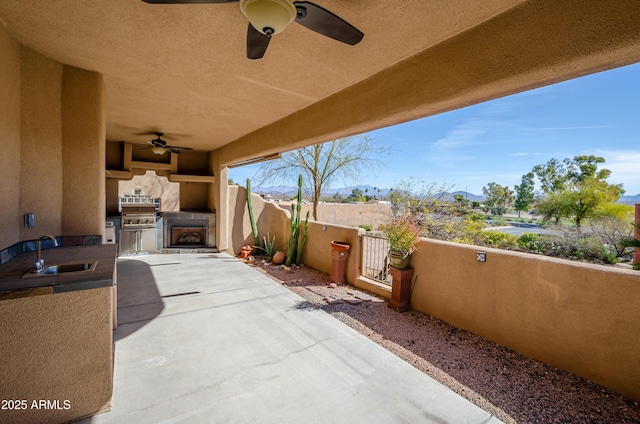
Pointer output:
x,y
535,44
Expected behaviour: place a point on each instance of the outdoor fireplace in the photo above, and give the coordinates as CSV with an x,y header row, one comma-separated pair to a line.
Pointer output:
x,y
189,229
188,236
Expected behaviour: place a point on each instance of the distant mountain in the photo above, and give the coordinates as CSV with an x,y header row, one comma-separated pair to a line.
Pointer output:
x,y
630,200
469,196
287,191
276,190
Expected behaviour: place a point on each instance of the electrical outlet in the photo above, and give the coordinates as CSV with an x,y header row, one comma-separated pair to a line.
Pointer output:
x,y
29,220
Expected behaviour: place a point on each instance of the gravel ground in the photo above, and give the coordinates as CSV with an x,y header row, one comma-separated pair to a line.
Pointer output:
x,y
514,388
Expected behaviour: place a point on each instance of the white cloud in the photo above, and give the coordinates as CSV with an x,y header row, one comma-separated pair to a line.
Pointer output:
x,y
524,154
624,166
587,127
462,136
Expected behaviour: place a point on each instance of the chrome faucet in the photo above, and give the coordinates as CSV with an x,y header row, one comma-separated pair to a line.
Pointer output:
x,y
38,267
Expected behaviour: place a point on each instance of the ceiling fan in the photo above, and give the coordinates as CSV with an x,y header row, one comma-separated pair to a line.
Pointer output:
x,y
159,146
270,17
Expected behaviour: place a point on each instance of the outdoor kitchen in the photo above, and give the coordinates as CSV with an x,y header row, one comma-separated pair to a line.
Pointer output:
x,y
141,227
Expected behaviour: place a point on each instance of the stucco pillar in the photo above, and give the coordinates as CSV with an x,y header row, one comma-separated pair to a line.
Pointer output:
x,y
83,152
219,201
41,153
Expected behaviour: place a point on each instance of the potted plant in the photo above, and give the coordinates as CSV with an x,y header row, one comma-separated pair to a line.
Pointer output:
x,y
403,233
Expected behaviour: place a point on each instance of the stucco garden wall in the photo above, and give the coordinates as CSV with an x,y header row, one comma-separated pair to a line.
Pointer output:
x,y
272,219
582,318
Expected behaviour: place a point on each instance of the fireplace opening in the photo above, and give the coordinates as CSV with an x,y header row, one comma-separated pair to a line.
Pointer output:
x,y
188,236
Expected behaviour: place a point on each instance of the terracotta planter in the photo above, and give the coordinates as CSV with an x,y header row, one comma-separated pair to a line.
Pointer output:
x,y
399,261
340,246
400,289
245,252
279,257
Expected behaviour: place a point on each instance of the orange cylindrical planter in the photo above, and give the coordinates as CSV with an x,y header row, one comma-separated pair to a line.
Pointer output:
x,y
400,289
339,255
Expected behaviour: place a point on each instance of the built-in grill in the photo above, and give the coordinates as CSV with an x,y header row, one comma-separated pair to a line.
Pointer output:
x,y
140,216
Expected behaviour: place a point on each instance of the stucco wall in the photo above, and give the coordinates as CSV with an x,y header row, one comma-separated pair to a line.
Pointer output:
x,y
351,214
579,317
9,139
317,251
41,144
269,219
53,153
83,152
70,358
272,219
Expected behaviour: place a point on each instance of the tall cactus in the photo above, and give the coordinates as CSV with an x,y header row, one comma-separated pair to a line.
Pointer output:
x,y
254,227
295,226
304,239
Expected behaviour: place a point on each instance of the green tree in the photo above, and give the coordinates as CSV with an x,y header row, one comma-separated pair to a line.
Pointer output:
x,y
356,195
553,206
460,204
497,198
575,188
345,158
552,176
524,193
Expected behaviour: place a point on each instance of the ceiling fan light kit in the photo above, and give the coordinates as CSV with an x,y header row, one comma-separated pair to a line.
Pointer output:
x,y
159,147
159,150
269,16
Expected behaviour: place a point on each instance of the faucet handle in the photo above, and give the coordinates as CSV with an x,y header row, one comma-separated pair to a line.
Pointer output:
x,y
38,266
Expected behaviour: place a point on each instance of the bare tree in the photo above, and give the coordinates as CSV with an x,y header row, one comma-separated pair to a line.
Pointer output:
x,y
320,164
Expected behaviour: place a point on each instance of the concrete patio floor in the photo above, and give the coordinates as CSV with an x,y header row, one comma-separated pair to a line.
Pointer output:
x,y
203,338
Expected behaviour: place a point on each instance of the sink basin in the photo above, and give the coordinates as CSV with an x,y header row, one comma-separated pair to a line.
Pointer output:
x,y
61,269
65,269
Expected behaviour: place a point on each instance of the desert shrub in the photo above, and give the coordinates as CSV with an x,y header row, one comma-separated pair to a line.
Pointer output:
x,y
592,249
530,242
572,245
611,230
366,227
497,239
498,222
477,217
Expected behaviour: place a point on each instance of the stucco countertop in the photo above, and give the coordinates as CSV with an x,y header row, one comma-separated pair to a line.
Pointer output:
x,y
14,285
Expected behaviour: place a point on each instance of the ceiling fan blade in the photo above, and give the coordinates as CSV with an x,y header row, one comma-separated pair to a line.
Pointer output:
x,y
188,1
172,148
257,43
323,22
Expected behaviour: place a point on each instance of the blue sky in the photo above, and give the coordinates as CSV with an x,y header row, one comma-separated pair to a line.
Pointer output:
x,y
503,139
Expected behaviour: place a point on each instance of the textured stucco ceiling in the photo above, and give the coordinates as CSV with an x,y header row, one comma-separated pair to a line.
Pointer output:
x,y
182,69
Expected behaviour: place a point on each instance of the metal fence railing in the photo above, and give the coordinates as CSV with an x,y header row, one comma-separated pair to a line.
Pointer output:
x,y
375,258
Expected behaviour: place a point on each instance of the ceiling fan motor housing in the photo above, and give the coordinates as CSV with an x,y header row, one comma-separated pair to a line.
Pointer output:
x,y
269,16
